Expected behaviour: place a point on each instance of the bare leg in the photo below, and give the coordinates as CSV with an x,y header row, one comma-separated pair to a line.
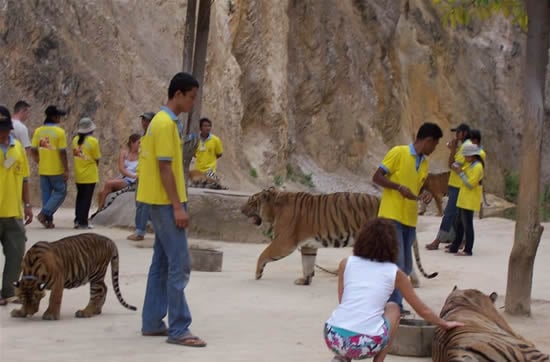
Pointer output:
x,y
110,186
308,265
98,294
393,315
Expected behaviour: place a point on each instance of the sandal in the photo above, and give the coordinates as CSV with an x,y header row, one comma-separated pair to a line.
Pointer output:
x,y
431,246
463,253
188,340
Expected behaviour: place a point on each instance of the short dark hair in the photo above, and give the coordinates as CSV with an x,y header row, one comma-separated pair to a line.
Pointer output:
x,y
475,134
183,82
5,114
20,106
204,120
429,129
377,240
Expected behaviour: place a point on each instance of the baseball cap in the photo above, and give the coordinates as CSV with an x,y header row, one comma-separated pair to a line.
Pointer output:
x,y
148,115
463,127
52,111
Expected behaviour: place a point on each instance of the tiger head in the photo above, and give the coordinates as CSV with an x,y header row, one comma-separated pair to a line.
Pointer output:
x,y
471,299
30,291
260,206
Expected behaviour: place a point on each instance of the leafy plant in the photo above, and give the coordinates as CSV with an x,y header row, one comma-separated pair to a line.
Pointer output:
x,y
252,172
278,180
297,175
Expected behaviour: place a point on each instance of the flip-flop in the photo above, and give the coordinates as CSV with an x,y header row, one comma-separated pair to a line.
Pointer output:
x,y
431,247
188,340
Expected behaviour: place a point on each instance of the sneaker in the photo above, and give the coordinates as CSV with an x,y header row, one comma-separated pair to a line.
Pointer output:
x,y
135,237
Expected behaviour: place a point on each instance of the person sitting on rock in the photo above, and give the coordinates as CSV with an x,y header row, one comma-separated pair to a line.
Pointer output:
x,y
208,150
127,165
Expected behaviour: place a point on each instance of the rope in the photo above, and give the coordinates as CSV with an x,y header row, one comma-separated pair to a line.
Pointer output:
x,y
325,270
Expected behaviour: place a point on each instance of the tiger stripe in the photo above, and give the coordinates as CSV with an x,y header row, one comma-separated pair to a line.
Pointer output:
x,y
68,263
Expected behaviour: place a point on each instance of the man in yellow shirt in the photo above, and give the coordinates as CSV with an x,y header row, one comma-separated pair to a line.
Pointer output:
x,y
209,149
161,185
14,200
446,229
49,148
402,174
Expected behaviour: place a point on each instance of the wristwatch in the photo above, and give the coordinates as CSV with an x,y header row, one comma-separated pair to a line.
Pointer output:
x,y
28,205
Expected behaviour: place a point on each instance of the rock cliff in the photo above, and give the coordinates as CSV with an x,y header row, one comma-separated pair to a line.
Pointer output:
x,y
310,91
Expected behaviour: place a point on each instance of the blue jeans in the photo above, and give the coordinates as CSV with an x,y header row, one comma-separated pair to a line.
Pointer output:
x,y
168,277
449,216
143,212
54,190
405,238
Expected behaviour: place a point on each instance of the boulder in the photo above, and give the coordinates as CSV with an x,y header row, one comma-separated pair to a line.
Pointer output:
x,y
213,214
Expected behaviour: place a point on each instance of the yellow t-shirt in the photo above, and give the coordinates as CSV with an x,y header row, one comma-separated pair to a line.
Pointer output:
x,y
401,167
86,156
13,170
49,139
470,198
454,179
161,142
207,153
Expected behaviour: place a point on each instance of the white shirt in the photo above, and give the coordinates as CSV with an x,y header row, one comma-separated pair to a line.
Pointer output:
x,y
367,287
21,132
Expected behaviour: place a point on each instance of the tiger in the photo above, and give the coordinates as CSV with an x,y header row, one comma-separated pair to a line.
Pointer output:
x,y
486,335
67,263
436,184
306,221
130,188
207,180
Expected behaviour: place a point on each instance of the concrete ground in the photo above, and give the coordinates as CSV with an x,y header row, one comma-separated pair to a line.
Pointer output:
x,y
247,320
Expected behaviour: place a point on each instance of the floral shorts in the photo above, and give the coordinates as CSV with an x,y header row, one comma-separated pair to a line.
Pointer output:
x,y
356,346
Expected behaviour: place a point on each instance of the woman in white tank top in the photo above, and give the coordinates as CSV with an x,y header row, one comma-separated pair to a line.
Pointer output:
x,y
364,323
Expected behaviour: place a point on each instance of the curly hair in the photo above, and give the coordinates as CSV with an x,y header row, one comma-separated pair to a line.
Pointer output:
x,y
377,240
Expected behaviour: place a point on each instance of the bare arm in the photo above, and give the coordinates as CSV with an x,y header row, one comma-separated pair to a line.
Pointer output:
x,y
380,178
121,167
341,269
63,154
453,147
169,183
27,203
404,285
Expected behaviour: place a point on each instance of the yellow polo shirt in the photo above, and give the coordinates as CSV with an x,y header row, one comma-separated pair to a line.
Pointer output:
x,y
13,171
454,179
403,166
207,153
49,139
470,198
86,156
161,142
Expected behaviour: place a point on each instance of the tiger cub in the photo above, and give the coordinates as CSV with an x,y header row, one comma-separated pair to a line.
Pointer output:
x,y
67,263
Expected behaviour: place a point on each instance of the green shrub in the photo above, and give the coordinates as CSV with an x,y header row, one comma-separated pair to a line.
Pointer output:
x,y
252,172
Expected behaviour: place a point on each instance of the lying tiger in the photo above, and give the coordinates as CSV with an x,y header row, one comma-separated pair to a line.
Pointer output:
x,y
67,263
306,221
205,180
485,337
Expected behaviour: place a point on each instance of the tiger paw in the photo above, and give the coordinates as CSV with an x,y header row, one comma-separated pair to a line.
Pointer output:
x,y
85,313
50,316
303,281
18,313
